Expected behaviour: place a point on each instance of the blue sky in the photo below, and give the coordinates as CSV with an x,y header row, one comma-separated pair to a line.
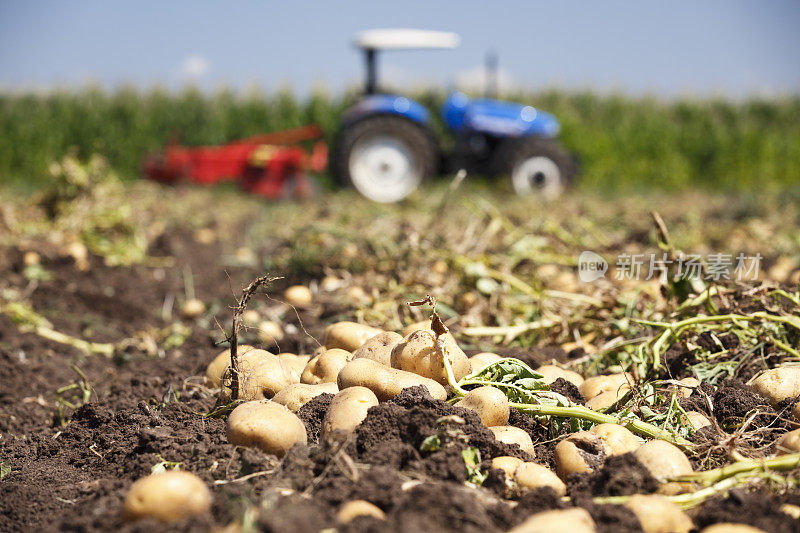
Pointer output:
x,y
678,47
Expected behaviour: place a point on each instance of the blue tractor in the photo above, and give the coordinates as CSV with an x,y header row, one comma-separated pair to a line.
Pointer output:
x,y
386,146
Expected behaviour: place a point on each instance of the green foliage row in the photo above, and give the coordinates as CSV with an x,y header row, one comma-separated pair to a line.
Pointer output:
x,y
622,142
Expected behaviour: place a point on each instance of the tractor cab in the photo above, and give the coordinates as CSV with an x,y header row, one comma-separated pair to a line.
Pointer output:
x,y
386,146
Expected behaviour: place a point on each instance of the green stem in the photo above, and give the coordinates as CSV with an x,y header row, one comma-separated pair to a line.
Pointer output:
x,y
580,412
781,462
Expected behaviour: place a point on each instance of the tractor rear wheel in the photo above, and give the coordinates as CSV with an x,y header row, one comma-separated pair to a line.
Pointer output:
x,y
384,157
536,166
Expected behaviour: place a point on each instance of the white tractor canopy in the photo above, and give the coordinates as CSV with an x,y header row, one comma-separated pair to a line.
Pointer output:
x,y
405,39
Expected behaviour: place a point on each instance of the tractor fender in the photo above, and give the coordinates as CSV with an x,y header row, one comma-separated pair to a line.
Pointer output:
x,y
497,118
387,104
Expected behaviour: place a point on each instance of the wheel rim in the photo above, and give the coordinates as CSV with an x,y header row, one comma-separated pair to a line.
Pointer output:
x,y
384,169
538,175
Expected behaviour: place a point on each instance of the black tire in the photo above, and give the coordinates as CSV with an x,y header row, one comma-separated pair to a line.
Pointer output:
x,y
399,136
547,170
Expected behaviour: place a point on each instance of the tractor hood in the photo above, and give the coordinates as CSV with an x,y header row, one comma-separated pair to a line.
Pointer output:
x,y
497,118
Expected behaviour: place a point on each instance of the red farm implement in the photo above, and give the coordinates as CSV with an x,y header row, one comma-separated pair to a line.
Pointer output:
x,y
272,165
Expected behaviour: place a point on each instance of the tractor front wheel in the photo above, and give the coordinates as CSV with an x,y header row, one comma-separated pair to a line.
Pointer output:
x,y
384,157
536,166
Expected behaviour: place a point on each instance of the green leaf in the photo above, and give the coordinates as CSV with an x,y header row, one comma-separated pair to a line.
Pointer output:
x,y
472,461
431,444
5,469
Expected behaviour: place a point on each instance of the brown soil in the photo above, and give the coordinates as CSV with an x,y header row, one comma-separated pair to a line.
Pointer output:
x,y
149,406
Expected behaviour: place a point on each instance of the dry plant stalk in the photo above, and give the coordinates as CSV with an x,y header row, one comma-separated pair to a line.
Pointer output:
x,y
238,309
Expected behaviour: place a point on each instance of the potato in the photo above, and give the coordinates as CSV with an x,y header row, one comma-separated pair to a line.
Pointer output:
x,y
482,360
266,425
356,508
619,439
791,510
416,326
348,408
167,497
269,332
263,376
379,348
788,443
606,399
580,453
251,318
193,308
418,354
348,335
686,392
357,296
656,514
552,373
216,369
297,363
778,383
533,476
730,527
597,384
514,435
663,460
697,419
324,368
298,394
298,295
385,382
796,411
574,520
490,403
507,464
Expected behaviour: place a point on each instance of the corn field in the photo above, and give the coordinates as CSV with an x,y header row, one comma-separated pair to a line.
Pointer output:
x,y
622,142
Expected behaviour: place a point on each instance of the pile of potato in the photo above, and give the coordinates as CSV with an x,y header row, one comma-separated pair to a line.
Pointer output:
x,y
363,365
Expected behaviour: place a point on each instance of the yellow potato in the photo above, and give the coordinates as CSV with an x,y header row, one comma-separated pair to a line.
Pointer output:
x,y
297,395
490,403
730,527
656,514
262,374
514,435
533,476
595,385
193,308
348,409
778,383
663,460
298,295
379,348
482,360
385,382
356,508
348,336
266,425
788,443
167,497
269,332
619,439
697,419
324,368
691,382
216,369
507,464
418,354
580,453
552,373
574,520
606,399
416,326
297,363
